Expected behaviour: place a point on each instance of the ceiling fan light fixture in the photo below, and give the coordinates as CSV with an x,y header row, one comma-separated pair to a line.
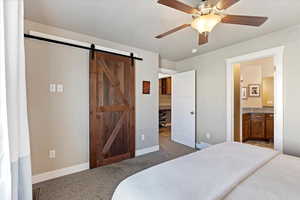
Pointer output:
x,y
206,23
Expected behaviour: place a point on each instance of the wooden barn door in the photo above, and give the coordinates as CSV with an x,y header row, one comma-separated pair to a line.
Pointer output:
x,y
112,109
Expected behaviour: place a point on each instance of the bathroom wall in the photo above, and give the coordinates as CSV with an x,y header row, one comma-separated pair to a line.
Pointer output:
x,y
254,72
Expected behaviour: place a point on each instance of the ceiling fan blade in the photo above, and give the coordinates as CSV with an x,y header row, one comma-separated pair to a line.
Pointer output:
x,y
222,4
203,38
244,20
178,6
173,31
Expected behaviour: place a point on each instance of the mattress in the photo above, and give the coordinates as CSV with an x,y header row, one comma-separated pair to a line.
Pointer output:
x,y
211,174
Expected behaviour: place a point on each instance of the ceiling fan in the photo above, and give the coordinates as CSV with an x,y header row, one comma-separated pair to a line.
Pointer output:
x,y
208,15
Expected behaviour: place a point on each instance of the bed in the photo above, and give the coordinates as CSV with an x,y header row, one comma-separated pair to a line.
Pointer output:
x,y
230,171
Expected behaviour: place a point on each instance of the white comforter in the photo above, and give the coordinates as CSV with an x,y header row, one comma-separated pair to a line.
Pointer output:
x,y
279,179
209,174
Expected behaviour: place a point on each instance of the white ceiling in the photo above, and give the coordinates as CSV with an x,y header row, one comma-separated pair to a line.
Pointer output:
x,y
137,22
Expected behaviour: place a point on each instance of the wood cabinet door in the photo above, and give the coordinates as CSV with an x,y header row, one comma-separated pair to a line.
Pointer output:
x,y
246,129
160,86
257,128
168,86
269,126
112,109
163,86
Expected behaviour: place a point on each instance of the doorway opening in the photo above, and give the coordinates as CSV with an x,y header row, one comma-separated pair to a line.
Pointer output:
x,y
255,98
254,102
177,109
165,108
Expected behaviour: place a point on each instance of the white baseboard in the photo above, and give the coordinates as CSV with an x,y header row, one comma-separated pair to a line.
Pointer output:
x,y
60,172
81,167
146,150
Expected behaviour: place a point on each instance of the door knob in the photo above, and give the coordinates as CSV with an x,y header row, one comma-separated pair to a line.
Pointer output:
x,y
192,113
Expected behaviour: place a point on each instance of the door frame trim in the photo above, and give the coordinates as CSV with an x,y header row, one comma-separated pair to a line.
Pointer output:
x,y
277,54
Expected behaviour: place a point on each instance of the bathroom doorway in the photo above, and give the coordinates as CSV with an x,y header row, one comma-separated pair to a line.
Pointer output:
x,y
254,102
241,94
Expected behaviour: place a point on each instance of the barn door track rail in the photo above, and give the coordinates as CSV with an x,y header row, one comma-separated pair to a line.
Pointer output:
x,y
91,48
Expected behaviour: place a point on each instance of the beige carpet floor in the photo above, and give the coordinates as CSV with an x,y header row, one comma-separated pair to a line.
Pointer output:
x,y
100,183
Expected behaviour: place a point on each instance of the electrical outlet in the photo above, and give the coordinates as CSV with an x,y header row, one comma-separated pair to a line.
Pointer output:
x,y
52,154
52,88
143,137
60,88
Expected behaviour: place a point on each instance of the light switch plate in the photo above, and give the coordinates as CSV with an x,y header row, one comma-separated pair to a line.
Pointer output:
x,y
52,154
60,88
52,88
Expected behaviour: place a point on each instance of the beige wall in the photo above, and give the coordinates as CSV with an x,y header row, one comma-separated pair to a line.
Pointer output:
x,y
211,86
251,74
60,121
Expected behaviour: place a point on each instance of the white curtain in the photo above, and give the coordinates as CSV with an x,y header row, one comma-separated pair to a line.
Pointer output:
x,y
15,171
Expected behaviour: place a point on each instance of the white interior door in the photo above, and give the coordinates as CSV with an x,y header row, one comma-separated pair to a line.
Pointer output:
x,y
183,108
